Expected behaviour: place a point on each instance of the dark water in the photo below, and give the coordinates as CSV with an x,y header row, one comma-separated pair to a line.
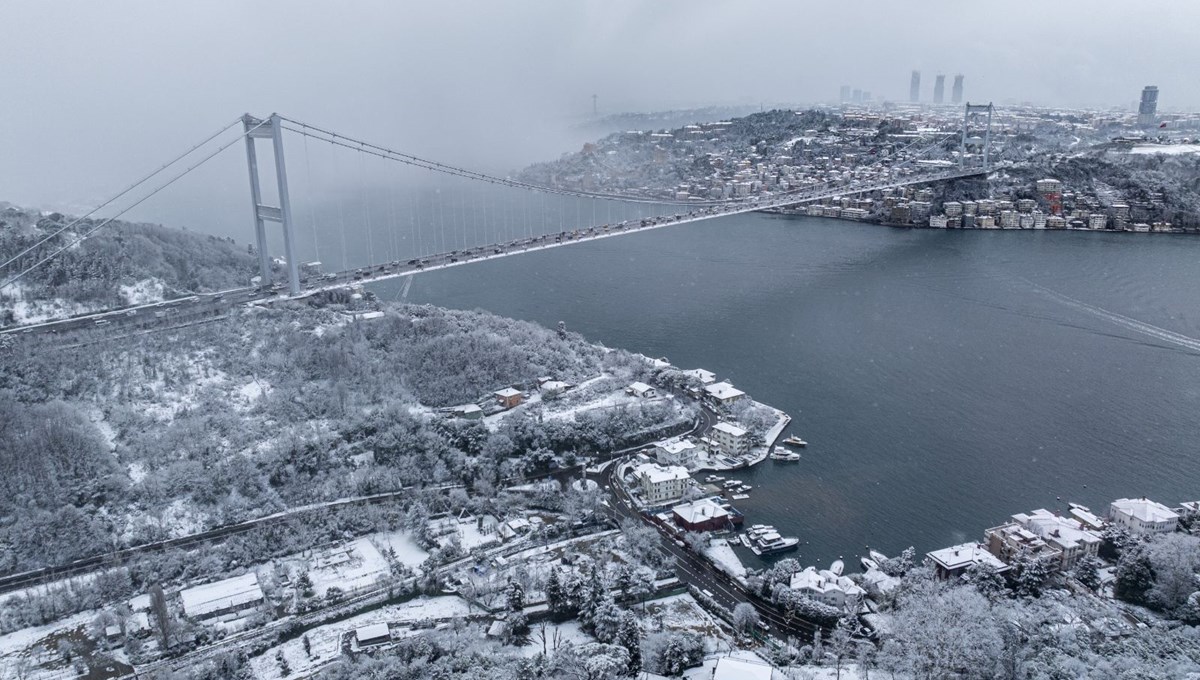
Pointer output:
x,y
944,380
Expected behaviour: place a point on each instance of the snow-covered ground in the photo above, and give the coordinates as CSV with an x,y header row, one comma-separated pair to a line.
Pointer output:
x,y
143,292
556,633
36,311
406,549
722,555
324,640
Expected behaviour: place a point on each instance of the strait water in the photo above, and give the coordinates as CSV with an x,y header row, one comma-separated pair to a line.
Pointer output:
x,y
944,379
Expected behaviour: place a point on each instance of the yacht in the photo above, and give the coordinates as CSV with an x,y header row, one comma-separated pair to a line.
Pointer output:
x,y
768,542
784,454
795,441
713,479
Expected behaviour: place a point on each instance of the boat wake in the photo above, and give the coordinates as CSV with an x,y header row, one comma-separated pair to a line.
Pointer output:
x,y
1142,327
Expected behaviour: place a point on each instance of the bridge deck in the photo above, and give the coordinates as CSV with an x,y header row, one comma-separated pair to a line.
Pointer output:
x,y
210,302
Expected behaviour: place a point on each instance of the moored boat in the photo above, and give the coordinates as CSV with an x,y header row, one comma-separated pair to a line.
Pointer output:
x,y
795,441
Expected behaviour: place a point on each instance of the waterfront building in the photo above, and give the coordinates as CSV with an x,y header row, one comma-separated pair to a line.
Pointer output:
x,y
1142,517
729,439
1067,535
704,514
938,221
1097,221
661,483
952,208
828,588
723,393
679,451
705,377
954,561
1007,541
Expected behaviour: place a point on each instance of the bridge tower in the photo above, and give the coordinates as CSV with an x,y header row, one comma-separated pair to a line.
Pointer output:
x,y
970,114
271,128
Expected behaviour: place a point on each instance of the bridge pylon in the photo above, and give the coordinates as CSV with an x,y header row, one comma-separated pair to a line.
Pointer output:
x,y
970,113
271,128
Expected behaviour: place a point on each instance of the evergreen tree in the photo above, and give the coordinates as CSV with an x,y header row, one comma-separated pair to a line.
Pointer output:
x,y
515,596
630,637
1087,572
556,596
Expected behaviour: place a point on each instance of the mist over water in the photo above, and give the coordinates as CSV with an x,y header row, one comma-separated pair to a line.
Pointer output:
x,y
945,380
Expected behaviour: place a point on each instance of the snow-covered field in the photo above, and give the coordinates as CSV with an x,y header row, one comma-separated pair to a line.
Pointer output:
x,y
143,292
406,549
324,640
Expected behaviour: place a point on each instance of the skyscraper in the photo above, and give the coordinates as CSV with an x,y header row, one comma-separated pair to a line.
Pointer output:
x,y
1148,108
939,89
956,93
845,93
914,88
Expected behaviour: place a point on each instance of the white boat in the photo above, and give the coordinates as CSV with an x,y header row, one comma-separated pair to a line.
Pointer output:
x,y
768,541
745,487
784,454
739,496
731,483
868,564
837,567
713,479
795,441
877,556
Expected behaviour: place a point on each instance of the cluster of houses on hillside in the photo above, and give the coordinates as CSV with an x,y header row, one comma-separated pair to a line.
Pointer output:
x,y
1061,540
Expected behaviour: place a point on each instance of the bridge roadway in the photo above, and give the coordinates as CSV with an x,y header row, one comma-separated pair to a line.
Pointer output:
x,y
212,303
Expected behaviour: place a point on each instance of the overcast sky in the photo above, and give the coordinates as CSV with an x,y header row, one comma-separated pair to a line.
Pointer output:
x,y
97,93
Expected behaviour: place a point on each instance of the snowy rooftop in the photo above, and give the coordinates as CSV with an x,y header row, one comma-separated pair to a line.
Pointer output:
x,y
1060,531
639,387
705,377
1086,517
824,581
1142,509
507,392
676,446
730,429
657,474
373,631
230,593
723,391
729,668
959,556
699,511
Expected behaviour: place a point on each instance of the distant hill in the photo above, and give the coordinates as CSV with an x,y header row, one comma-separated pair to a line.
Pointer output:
x,y
123,263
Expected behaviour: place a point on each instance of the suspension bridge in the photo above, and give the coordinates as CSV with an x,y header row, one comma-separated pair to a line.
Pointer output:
x,y
479,228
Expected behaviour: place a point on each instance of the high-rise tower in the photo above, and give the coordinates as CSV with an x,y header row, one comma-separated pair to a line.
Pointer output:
x,y
914,87
1148,108
956,93
939,89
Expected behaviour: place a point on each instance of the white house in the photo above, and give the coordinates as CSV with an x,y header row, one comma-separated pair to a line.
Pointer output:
x,y
642,390
730,439
1141,516
827,587
724,393
705,377
676,452
660,484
